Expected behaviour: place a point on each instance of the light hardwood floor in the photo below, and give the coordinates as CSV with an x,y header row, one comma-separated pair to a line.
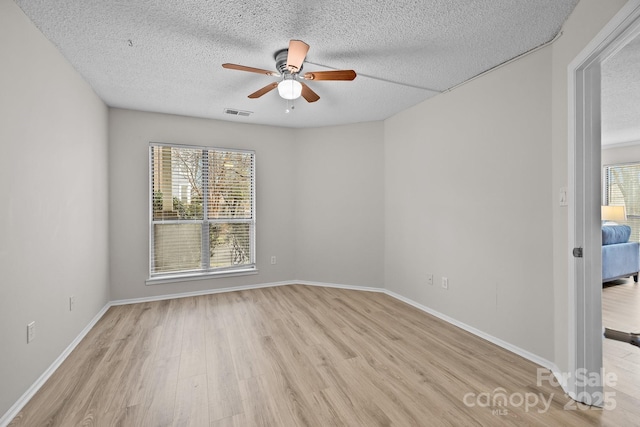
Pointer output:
x,y
621,311
295,356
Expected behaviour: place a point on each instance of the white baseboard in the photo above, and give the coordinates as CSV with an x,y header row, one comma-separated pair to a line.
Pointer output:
x,y
477,332
15,409
199,293
242,288
339,286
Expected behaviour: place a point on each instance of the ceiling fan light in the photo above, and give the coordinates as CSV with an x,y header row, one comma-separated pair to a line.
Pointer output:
x,y
290,89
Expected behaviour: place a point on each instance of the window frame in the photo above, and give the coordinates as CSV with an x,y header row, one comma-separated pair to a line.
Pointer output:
x,y
632,219
205,271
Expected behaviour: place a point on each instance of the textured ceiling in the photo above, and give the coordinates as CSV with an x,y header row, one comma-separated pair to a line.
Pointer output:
x,y
621,96
166,56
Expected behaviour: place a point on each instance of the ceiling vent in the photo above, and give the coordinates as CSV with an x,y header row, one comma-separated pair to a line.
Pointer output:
x,y
235,112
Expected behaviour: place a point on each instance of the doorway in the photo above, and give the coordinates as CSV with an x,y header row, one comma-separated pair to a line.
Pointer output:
x,y
585,269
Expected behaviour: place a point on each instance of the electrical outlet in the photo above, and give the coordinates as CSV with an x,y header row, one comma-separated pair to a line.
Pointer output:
x,y
31,331
273,260
445,283
430,279
72,302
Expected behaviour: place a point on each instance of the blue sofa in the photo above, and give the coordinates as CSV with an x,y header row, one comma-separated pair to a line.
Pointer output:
x,y
620,257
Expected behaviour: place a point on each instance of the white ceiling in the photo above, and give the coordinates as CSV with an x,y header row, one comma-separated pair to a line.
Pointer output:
x,y
165,56
621,96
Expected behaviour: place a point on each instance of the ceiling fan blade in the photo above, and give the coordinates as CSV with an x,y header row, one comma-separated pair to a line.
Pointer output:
x,y
308,94
297,52
331,75
260,92
250,69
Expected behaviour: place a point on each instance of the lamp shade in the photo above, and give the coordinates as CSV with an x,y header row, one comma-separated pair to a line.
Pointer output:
x,y
290,89
613,213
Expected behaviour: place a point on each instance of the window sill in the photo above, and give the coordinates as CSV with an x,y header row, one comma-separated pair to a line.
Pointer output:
x,y
200,276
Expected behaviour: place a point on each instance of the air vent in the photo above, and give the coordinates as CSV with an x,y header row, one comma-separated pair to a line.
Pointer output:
x,y
235,112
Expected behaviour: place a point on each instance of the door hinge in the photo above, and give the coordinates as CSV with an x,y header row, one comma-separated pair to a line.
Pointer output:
x,y
577,252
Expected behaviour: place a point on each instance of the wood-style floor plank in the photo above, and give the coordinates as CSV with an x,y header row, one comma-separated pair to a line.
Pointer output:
x,y
621,311
307,356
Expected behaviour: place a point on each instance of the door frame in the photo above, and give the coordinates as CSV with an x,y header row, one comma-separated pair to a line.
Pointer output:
x,y
585,274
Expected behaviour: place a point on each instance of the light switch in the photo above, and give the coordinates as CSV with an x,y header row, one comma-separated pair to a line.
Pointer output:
x,y
563,196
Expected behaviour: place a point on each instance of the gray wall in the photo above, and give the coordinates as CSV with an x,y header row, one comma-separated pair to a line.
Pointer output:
x,y
339,194
468,175
621,154
319,200
53,219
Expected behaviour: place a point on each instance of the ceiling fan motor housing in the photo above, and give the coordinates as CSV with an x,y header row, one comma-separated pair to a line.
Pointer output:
x,y
281,62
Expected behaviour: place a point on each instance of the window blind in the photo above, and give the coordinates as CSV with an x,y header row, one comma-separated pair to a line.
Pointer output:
x,y
202,209
622,188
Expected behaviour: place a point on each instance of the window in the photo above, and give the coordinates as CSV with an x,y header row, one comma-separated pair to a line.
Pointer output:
x,y
622,187
202,215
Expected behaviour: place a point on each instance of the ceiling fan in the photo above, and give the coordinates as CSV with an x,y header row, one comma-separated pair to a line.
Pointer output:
x,y
289,65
